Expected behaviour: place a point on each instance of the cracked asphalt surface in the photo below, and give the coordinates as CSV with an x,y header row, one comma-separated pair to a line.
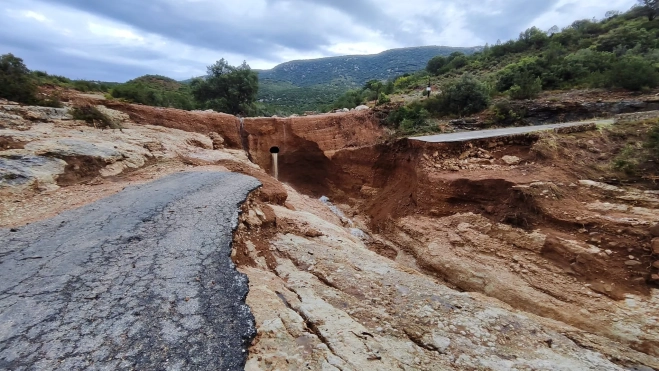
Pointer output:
x,y
493,133
140,280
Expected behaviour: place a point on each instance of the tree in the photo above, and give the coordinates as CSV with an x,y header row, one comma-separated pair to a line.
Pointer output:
x,y
15,80
650,7
376,87
436,64
227,89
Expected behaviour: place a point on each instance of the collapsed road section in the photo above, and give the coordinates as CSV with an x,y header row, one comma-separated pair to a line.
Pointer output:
x,y
139,280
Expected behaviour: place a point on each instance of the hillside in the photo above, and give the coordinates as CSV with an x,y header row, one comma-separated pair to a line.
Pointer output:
x,y
507,83
155,90
324,80
355,70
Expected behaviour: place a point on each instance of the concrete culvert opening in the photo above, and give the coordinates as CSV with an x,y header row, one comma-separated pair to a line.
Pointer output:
x,y
275,166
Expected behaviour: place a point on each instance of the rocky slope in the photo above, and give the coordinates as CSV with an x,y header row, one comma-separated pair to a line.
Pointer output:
x,y
491,255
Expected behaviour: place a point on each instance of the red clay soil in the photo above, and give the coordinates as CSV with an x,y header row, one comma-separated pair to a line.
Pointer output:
x,y
192,121
387,182
310,134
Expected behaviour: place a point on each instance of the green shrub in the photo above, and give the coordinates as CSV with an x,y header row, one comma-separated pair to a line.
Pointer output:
x,y
16,82
383,98
408,118
505,114
627,160
351,99
526,87
93,117
634,73
53,101
463,97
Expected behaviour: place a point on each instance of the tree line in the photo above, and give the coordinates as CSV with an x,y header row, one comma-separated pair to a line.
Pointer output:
x,y
225,88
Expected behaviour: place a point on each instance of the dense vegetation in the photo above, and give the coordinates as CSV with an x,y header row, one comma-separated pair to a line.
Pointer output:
x,y
18,83
312,85
621,51
154,90
284,98
15,80
44,79
227,88
355,70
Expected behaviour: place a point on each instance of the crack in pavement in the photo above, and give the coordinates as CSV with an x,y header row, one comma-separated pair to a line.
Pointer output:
x,y
140,280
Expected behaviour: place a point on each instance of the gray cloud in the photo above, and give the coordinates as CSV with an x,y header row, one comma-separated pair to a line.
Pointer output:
x,y
515,15
165,17
122,39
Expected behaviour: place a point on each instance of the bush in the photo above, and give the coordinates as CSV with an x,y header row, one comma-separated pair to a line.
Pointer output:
x,y
383,98
53,102
526,87
464,97
93,117
350,99
16,82
638,158
505,114
627,161
634,73
408,118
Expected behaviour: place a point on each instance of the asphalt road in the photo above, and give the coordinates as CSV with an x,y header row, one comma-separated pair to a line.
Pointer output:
x,y
141,280
470,135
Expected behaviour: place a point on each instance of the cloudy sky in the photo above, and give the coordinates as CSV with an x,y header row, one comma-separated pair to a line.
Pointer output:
x,y
116,40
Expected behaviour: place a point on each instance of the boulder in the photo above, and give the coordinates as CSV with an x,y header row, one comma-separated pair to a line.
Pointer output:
x,y
218,141
511,160
654,231
252,219
655,246
21,170
362,108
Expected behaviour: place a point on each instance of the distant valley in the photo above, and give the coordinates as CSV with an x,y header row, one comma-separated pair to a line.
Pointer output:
x,y
304,85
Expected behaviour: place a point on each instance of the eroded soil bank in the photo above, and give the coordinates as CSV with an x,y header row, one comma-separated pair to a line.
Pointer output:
x,y
533,224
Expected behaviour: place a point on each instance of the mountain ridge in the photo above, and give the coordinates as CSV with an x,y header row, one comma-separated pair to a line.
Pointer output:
x,y
355,70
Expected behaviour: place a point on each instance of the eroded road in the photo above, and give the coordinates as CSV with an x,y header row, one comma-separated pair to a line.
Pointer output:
x,y
140,280
493,133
